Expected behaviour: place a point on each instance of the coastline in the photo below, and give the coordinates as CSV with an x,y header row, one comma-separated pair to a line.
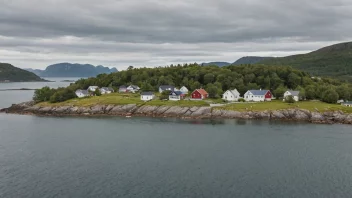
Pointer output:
x,y
294,114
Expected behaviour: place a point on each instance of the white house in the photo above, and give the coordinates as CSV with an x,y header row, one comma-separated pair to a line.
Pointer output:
x,y
133,88
176,95
106,90
258,95
166,88
81,93
347,104
146,96
184,90
231,95
93,88
294,94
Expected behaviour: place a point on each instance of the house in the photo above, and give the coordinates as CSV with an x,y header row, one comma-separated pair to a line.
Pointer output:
x,y
231,95
82,93
122,89
199,94
106,90
340,101
176,95
133,88
347,104
294,94
184,90
146,96
258,95
93,88
166,88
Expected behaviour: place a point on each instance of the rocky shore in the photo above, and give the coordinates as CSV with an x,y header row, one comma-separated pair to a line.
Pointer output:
x,y
180,112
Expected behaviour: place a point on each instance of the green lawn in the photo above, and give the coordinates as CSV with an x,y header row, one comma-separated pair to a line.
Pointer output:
x,y
122,99
277,105
128,98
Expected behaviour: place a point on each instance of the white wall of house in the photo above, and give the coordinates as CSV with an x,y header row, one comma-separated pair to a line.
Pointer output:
x,y
287,93
147,97
105,92
231,96
248,96
174,98
80,95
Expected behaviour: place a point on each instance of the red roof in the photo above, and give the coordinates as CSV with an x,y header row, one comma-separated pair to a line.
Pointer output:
x,y
202,92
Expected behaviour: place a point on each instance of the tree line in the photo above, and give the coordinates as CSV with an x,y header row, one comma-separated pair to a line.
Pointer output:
x,y
216,80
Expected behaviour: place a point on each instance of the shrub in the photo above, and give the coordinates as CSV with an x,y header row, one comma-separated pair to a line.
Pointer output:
x,y
241,100
290,99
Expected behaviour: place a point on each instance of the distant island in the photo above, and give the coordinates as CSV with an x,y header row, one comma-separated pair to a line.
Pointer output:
x,y
10,73
72,70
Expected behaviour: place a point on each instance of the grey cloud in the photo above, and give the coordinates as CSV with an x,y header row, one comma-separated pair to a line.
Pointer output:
x,y
198,30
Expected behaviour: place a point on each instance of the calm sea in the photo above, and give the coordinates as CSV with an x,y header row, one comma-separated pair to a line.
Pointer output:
x,y
157,158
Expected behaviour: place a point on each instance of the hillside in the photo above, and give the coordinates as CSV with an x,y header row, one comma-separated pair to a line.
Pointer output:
x,y
73,70
335,61
215,80
219,64
250,60
37,72
10,73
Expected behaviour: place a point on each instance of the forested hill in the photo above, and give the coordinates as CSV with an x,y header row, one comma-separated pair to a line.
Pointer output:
x,y
14,74
335,61
216,80
250,60
74,70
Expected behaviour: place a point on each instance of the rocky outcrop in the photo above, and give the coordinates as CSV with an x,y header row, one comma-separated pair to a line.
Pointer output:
x,y
181,112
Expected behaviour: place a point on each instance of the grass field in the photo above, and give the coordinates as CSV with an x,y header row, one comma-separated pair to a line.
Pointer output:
x,y
122,99
278,105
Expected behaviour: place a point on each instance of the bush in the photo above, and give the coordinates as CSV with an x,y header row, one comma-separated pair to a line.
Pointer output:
x,y
165,95
62,94
290,99
97,92
43,94
241,100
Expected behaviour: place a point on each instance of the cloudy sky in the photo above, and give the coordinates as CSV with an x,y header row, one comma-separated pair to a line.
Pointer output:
x,y
119,33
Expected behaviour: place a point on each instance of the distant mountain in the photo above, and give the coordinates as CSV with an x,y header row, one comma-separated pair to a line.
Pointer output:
x,y
74,70
9,73
219,64
37,72
335,60
250,60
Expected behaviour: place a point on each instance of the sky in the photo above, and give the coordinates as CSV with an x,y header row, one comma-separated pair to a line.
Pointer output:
x,y
120,33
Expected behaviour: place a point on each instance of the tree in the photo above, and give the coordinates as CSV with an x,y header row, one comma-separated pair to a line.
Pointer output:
x,y
213,91
290,99
209,78
311,92
344,92
43,94
279,92
97,92
147,87
330,96
293,80
302,92
165,95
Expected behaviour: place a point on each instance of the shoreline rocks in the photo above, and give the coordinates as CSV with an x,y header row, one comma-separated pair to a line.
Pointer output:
x,y
179,112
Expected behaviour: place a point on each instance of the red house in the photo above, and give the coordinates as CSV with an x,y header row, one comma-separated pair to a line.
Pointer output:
x,y
199,94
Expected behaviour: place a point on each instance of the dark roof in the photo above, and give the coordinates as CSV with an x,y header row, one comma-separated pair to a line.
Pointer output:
x,y
167,87
294,93
259,92
107,88
177,93
350,102
122,87
134,86
85,92
148,93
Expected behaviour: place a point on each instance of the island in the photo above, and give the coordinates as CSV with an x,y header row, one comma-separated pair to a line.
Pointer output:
x,y
9,73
